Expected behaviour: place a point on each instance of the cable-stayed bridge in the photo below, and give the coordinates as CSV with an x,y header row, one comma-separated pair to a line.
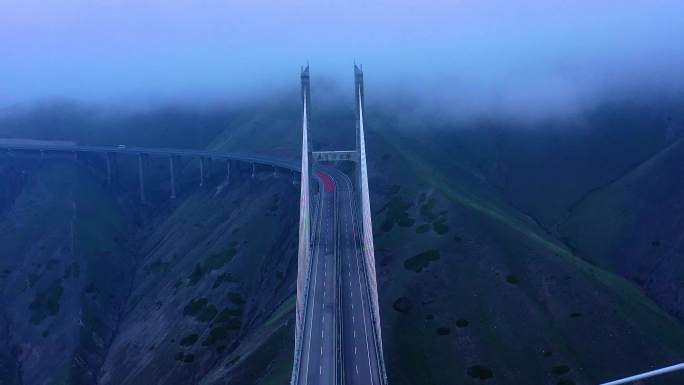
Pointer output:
x,y
338,336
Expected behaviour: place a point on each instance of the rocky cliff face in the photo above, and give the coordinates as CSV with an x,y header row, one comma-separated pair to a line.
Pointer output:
x,y
213,290
96,289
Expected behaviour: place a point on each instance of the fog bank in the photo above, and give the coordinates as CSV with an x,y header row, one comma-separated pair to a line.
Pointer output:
x,y
530,59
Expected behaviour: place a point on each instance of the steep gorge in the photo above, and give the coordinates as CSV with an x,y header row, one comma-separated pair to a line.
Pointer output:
x,y
97,289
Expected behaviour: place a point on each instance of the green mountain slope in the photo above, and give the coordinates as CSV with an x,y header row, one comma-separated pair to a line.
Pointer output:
x,y
474,290
634,226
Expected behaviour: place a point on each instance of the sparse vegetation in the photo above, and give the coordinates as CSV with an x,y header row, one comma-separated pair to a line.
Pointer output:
x,y
440,226
426,209
512,279
189,340
207,313
217,261
216,334
236,298
421,261
480,372
227,314
46,302
196,274
396,214
560,369
233,324
195,306
221,279
402,305
233,361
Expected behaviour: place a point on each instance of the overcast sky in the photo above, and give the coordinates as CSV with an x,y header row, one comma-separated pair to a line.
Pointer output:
x,y
541,55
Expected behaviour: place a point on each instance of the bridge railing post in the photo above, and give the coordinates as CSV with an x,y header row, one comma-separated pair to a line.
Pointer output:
x,y
229,170
142,168
110,158
173,171
201,169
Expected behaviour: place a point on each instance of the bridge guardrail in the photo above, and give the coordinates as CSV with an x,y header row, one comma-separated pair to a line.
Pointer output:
x,y
642,376
337,324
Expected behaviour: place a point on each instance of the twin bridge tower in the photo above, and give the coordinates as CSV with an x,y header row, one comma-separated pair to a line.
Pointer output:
x,y
338,338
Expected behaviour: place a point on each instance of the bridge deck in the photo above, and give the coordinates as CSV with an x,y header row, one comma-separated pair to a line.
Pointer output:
x,y
338,268
158,151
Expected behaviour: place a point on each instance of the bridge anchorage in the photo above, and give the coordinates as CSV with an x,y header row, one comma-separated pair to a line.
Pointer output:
x,y
338,336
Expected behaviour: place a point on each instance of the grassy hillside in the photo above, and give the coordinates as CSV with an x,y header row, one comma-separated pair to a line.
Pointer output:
x,y
634,226
473,290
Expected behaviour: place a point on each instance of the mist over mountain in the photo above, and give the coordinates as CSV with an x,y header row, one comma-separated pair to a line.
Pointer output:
x,y
524,159
528,59
496,248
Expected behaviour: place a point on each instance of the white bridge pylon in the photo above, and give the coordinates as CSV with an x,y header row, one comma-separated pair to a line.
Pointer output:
x,y
335,234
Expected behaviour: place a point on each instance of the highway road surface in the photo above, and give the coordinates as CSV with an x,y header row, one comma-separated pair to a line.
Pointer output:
x,y
339,304
360,361
319,359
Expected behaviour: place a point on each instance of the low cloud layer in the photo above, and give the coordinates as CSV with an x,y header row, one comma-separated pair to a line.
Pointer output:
x,y
525,58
